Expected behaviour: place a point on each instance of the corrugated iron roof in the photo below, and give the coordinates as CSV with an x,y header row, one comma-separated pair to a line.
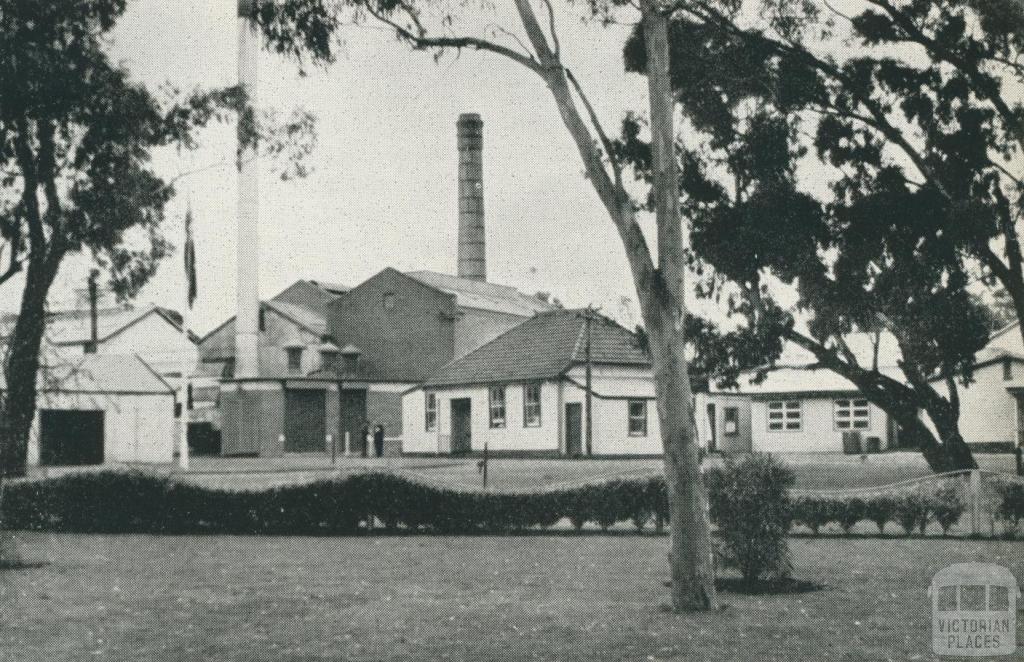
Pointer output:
x,y
543,347
74,327
95,373
484,296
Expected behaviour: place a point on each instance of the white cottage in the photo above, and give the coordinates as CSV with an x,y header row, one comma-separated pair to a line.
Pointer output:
x,y
525,393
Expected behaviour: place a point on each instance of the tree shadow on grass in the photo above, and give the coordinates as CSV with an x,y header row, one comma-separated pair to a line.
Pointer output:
x,y
781,586
16,564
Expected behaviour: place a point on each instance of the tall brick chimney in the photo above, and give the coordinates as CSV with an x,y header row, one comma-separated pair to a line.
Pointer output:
x,y
472,245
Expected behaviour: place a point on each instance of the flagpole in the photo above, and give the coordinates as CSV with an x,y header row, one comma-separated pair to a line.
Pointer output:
x,y
186,341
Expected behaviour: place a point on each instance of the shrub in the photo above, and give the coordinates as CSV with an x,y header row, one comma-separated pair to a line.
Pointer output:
x,y
880,510
946,506
814,512
751,507
849,513
912,512
1011,504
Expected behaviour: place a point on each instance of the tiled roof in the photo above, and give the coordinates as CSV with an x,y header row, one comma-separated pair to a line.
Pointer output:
x,y
484,296
543,347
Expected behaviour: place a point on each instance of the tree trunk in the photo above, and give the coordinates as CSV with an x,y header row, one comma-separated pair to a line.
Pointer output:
x,y
691,555
22,368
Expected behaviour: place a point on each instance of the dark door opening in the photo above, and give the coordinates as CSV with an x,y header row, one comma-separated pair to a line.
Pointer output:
x,y
462,436
352,420
712,431
573,429
70,438
304,425
203,439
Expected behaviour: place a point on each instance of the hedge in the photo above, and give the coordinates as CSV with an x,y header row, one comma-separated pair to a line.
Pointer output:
x,y
132,502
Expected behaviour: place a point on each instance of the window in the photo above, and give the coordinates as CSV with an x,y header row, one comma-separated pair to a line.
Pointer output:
x,y
531,406
294,358
852,414
784,415
637,410
263,319
1007,370
497,406
328,359
731,417
431,422
389,301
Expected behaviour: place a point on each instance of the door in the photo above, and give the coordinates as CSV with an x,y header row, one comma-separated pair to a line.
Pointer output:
x,y
573,429
712,429
462,436
304,429
352,420
70,437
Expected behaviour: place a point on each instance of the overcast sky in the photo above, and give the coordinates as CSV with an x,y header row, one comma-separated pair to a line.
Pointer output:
x,y
382,191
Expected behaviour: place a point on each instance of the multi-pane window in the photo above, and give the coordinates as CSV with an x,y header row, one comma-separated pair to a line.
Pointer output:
x,y
637,411
784,415
497,406
431,412
531,406
852,414
294,358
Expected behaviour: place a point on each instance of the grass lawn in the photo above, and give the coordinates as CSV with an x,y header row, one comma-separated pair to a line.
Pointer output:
x,y
813,471
588,597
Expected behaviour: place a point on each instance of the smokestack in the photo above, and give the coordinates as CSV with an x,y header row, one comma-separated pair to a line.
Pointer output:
x,y
247,315
472,248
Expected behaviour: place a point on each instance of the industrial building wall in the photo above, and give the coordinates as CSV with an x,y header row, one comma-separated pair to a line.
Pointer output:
x,y
404,329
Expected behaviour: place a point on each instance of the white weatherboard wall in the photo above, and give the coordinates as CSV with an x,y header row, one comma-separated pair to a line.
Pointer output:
x,y
818,433
513,437
614,386
988,412
136,427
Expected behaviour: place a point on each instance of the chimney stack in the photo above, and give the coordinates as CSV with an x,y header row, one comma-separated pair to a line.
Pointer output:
x,y
248,296
472,248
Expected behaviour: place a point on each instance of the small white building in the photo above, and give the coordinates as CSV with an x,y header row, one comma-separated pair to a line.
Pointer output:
x,y
991,405
525,393
100,409
809,409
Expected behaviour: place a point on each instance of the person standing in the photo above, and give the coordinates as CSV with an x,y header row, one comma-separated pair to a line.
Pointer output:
x,y
378,440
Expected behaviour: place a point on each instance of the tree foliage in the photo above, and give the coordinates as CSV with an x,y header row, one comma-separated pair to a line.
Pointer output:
x,y
874,180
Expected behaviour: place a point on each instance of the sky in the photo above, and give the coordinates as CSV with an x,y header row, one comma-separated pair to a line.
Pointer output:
x,y
382,190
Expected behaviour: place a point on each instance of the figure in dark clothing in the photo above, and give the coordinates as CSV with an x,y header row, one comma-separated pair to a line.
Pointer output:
x,y
378,440
364,436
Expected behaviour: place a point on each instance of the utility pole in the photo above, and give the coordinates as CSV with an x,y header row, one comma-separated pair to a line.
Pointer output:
x,y
588,317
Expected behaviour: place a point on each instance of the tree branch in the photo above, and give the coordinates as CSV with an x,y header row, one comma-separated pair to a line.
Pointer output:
x,y
602,136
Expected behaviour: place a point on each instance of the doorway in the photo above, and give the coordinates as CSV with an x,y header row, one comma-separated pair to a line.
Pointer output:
x,y
70,438
352,418
712,429
573,429
304,429
462,435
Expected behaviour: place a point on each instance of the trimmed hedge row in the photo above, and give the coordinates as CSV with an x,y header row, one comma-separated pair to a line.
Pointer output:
x,y
125,502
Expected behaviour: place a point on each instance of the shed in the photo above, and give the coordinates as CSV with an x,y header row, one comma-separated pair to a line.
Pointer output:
x,y
100,409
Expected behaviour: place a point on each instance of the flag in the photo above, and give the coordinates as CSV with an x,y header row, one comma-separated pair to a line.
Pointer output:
x,y
190,258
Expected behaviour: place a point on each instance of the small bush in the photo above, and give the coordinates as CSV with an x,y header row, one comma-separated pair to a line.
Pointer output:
x,y
815,512
1011,505
751,507
946,506
912,512
880,510
850,513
